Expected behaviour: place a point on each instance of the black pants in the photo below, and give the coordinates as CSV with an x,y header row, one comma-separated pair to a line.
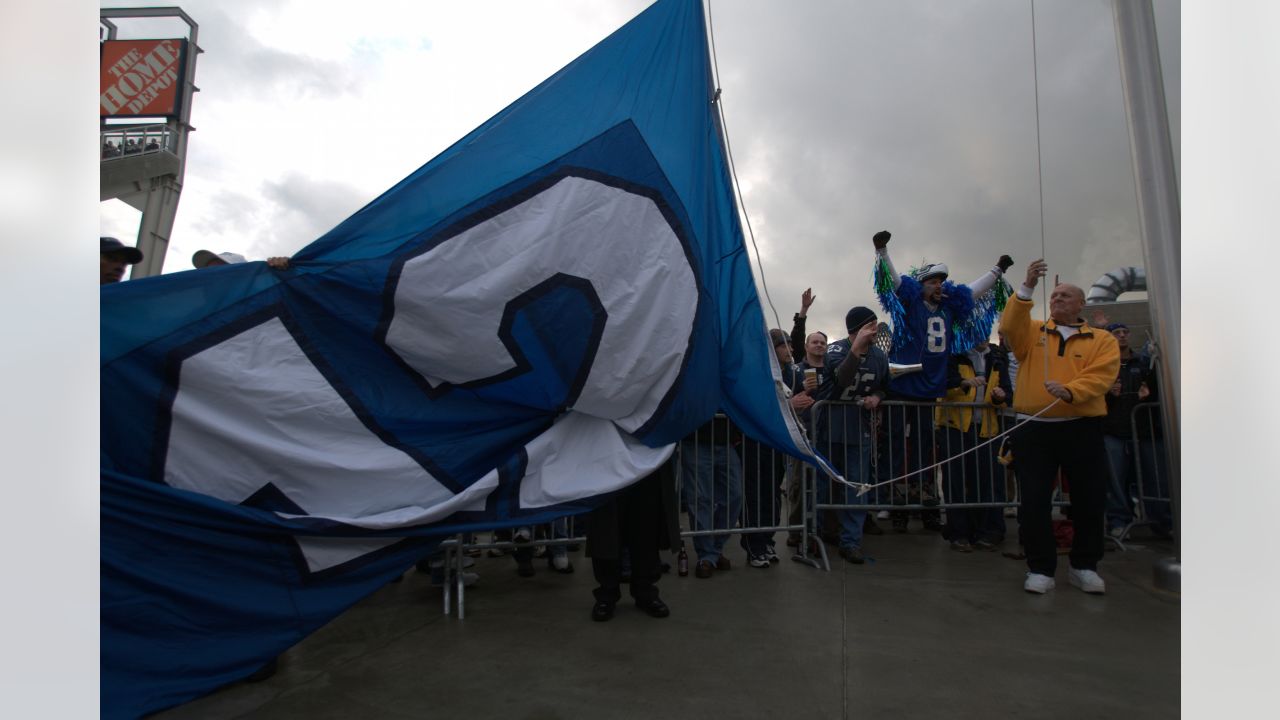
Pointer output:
x,y
762,471
1040,449
639,524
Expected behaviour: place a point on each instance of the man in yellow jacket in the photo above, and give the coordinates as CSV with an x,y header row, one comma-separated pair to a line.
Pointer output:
x,y
1065,370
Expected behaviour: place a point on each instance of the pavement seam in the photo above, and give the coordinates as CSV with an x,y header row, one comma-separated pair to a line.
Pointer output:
x,y
844,641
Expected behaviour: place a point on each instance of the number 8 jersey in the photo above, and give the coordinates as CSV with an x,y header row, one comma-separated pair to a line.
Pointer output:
x,y
927,341
928,335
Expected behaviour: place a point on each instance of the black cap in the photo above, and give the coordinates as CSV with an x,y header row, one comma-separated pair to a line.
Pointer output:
x,y
132,255
857,317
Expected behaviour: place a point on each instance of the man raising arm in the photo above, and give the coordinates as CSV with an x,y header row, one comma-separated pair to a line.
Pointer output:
x,y
1066,367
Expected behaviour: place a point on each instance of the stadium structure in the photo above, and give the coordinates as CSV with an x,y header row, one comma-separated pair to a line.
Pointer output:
x,y
146,90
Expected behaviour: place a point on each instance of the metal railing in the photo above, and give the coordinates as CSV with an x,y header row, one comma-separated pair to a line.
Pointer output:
x,y
560,532
915,456
730,483
908,458
1139,488
122,142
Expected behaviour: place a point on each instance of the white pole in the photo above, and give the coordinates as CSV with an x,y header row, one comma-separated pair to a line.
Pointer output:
x,y
1160,219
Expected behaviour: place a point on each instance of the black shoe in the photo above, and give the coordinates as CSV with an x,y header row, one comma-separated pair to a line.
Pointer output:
x,y
602,611
654,607
853,555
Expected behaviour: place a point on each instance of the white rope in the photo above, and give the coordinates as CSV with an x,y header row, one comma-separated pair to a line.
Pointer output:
x,y
1044,287
862,488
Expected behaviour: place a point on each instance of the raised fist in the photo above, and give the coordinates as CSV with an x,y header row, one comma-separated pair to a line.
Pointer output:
x,y
1004,263
864,337
881,239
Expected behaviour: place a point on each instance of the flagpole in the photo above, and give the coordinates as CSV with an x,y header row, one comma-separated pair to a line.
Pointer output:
x,y
1159,217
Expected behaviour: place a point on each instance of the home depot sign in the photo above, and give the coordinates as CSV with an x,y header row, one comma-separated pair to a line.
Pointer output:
x,y
141,77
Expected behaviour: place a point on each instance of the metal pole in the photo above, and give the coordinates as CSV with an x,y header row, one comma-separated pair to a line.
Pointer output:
x,y
1160,220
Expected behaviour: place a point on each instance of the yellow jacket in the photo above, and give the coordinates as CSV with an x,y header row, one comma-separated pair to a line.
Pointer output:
x,y
960,417
1087,363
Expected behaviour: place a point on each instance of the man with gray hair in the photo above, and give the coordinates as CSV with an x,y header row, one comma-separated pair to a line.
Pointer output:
x,y
1067,367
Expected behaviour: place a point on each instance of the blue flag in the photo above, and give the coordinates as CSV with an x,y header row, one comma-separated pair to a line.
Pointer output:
x,y
520,327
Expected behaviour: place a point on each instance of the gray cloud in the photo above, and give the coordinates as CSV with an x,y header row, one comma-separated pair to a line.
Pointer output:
x,y
230,212
920,118
235,64
239,65
303,209
285,215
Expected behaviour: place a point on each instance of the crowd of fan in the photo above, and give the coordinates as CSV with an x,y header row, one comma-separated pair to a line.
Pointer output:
x,y
884,433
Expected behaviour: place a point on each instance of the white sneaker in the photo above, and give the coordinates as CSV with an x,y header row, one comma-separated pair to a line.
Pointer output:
x,y
560,562
882,515
1087,580
1037,583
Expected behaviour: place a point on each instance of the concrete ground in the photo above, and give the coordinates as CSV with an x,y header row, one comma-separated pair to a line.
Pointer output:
x,y
918,632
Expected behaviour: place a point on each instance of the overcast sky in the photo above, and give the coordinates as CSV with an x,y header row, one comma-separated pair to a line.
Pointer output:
x,y
845,118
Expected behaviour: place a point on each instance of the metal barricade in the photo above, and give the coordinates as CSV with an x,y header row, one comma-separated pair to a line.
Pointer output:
x,y
907,437
940,456
1147,498
561,532
728,483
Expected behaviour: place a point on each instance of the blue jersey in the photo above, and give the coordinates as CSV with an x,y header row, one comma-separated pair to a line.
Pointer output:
x,y
927,340
845,423
929,337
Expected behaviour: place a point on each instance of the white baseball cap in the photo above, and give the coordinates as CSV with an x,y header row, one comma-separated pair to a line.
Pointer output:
x,y
205,258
